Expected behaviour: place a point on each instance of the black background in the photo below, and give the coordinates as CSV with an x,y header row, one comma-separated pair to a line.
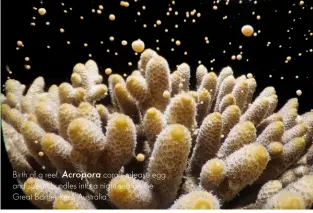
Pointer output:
x,y
55,64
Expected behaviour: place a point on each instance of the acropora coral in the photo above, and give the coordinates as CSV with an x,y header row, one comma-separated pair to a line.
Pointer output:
x,y
153,140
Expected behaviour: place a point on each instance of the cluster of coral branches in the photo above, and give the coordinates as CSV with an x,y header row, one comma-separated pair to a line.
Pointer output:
x,y
195,147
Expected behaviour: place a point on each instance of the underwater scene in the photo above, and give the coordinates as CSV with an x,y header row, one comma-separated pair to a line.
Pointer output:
x,y
157,104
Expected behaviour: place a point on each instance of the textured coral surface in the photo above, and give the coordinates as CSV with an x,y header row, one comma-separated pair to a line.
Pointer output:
x,y
153,140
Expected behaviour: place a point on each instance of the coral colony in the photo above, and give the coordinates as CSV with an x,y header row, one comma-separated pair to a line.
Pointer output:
x,y
149,141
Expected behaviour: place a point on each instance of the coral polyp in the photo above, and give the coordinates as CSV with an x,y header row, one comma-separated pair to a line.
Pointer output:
x,y
155,140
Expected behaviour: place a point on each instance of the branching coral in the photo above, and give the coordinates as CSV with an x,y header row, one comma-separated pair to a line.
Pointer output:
x,y
161,142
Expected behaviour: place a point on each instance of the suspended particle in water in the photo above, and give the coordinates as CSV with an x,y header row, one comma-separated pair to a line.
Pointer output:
x,y
99,12
207,41
100,7
198,15
143,7
258,17
288,58
27,59
27,67
247,30
233,57
111,38
85,45
108,71
177,43
112,17
239,57
42,11
124,4
176,25
301,3
145,26
166,94
158,22
62,30
130,64
81,17
138,13
166,30
93,10
33,24
19,43
176,13
140,157
124,42
47,23
68,42
249,75
193,20
299,92
214,7
185,53
138,46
